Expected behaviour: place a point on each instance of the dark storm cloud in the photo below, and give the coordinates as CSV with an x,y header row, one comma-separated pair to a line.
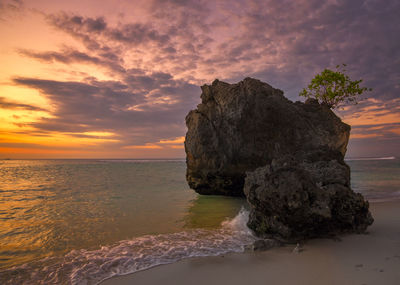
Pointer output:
x,y
7,104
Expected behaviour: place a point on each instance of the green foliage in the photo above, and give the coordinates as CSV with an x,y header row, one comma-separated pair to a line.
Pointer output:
x,y
334,88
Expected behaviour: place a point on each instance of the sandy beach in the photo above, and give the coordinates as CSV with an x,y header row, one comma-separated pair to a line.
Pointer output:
x,y
372,258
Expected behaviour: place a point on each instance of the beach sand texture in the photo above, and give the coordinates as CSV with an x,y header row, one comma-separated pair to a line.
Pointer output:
x,y
372,258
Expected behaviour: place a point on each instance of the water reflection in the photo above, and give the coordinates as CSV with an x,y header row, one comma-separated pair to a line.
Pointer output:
x,y
50,207
210,211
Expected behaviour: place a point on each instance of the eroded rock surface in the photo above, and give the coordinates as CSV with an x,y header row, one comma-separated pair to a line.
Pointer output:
x,y
297,184
240,127
304,196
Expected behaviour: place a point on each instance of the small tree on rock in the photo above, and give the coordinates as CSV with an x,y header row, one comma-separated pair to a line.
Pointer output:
x,y
334,88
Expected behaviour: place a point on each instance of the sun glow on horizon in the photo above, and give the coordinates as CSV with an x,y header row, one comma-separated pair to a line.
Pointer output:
x,y
117,79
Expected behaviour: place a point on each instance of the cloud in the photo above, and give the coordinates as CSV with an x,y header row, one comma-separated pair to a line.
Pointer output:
x,y
68,55
157,60
93,31
290,42
128,110
164,42
390,130
65,56
284,43
12,5
7,104
179,140
10,8
376,123
146,146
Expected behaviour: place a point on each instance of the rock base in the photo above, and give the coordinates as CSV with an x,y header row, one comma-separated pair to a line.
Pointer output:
x,y
296,198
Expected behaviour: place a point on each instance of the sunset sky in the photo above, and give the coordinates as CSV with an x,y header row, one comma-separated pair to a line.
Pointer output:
x,y
115,79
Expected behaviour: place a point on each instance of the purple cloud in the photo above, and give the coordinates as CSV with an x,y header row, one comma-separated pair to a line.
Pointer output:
x,y
11,105
158,60
116,107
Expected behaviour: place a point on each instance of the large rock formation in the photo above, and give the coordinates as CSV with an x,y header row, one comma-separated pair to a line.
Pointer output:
x,y
297,184
240,127
303,196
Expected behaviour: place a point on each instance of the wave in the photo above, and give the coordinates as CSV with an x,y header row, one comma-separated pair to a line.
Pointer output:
x,y
129,256
371,158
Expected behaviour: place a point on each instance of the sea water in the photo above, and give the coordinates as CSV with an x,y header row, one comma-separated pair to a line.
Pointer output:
x,y
83,221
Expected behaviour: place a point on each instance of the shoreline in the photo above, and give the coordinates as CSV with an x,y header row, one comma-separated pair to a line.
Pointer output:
x,y
372,258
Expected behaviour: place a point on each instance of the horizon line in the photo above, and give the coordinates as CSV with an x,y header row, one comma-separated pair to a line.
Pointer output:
x,y
390,157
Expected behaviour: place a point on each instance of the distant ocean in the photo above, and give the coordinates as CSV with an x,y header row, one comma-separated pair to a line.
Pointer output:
x,y
83,221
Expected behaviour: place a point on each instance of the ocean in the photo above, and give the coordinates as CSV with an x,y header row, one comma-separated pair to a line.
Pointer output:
x,y
84,221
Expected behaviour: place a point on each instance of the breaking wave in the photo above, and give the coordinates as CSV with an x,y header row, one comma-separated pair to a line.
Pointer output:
x,y
129,256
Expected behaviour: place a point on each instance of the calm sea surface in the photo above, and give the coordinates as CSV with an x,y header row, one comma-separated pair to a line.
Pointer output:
x,y
82,221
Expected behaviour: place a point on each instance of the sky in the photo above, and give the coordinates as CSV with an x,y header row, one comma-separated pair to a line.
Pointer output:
x,y
115,79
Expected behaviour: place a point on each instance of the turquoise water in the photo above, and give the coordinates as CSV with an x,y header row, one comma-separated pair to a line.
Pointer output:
x,y
82,221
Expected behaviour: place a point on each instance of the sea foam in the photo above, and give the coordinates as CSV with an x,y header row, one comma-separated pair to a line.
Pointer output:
x,y
129,256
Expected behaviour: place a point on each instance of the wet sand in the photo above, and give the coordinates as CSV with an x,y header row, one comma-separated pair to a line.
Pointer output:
x,y
372,258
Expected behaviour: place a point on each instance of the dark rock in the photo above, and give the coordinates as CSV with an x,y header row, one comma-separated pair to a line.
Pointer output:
x,y
295,198
240,127
297,183
265,244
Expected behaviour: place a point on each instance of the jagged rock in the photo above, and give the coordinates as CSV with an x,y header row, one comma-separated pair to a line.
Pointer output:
x,y
298,197
297,184
240,127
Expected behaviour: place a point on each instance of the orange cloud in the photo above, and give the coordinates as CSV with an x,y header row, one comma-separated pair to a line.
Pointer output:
x,y
363,136
176,143
177,147
88,69
179,140
396,131
53,139
372,118
40,153
146,146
